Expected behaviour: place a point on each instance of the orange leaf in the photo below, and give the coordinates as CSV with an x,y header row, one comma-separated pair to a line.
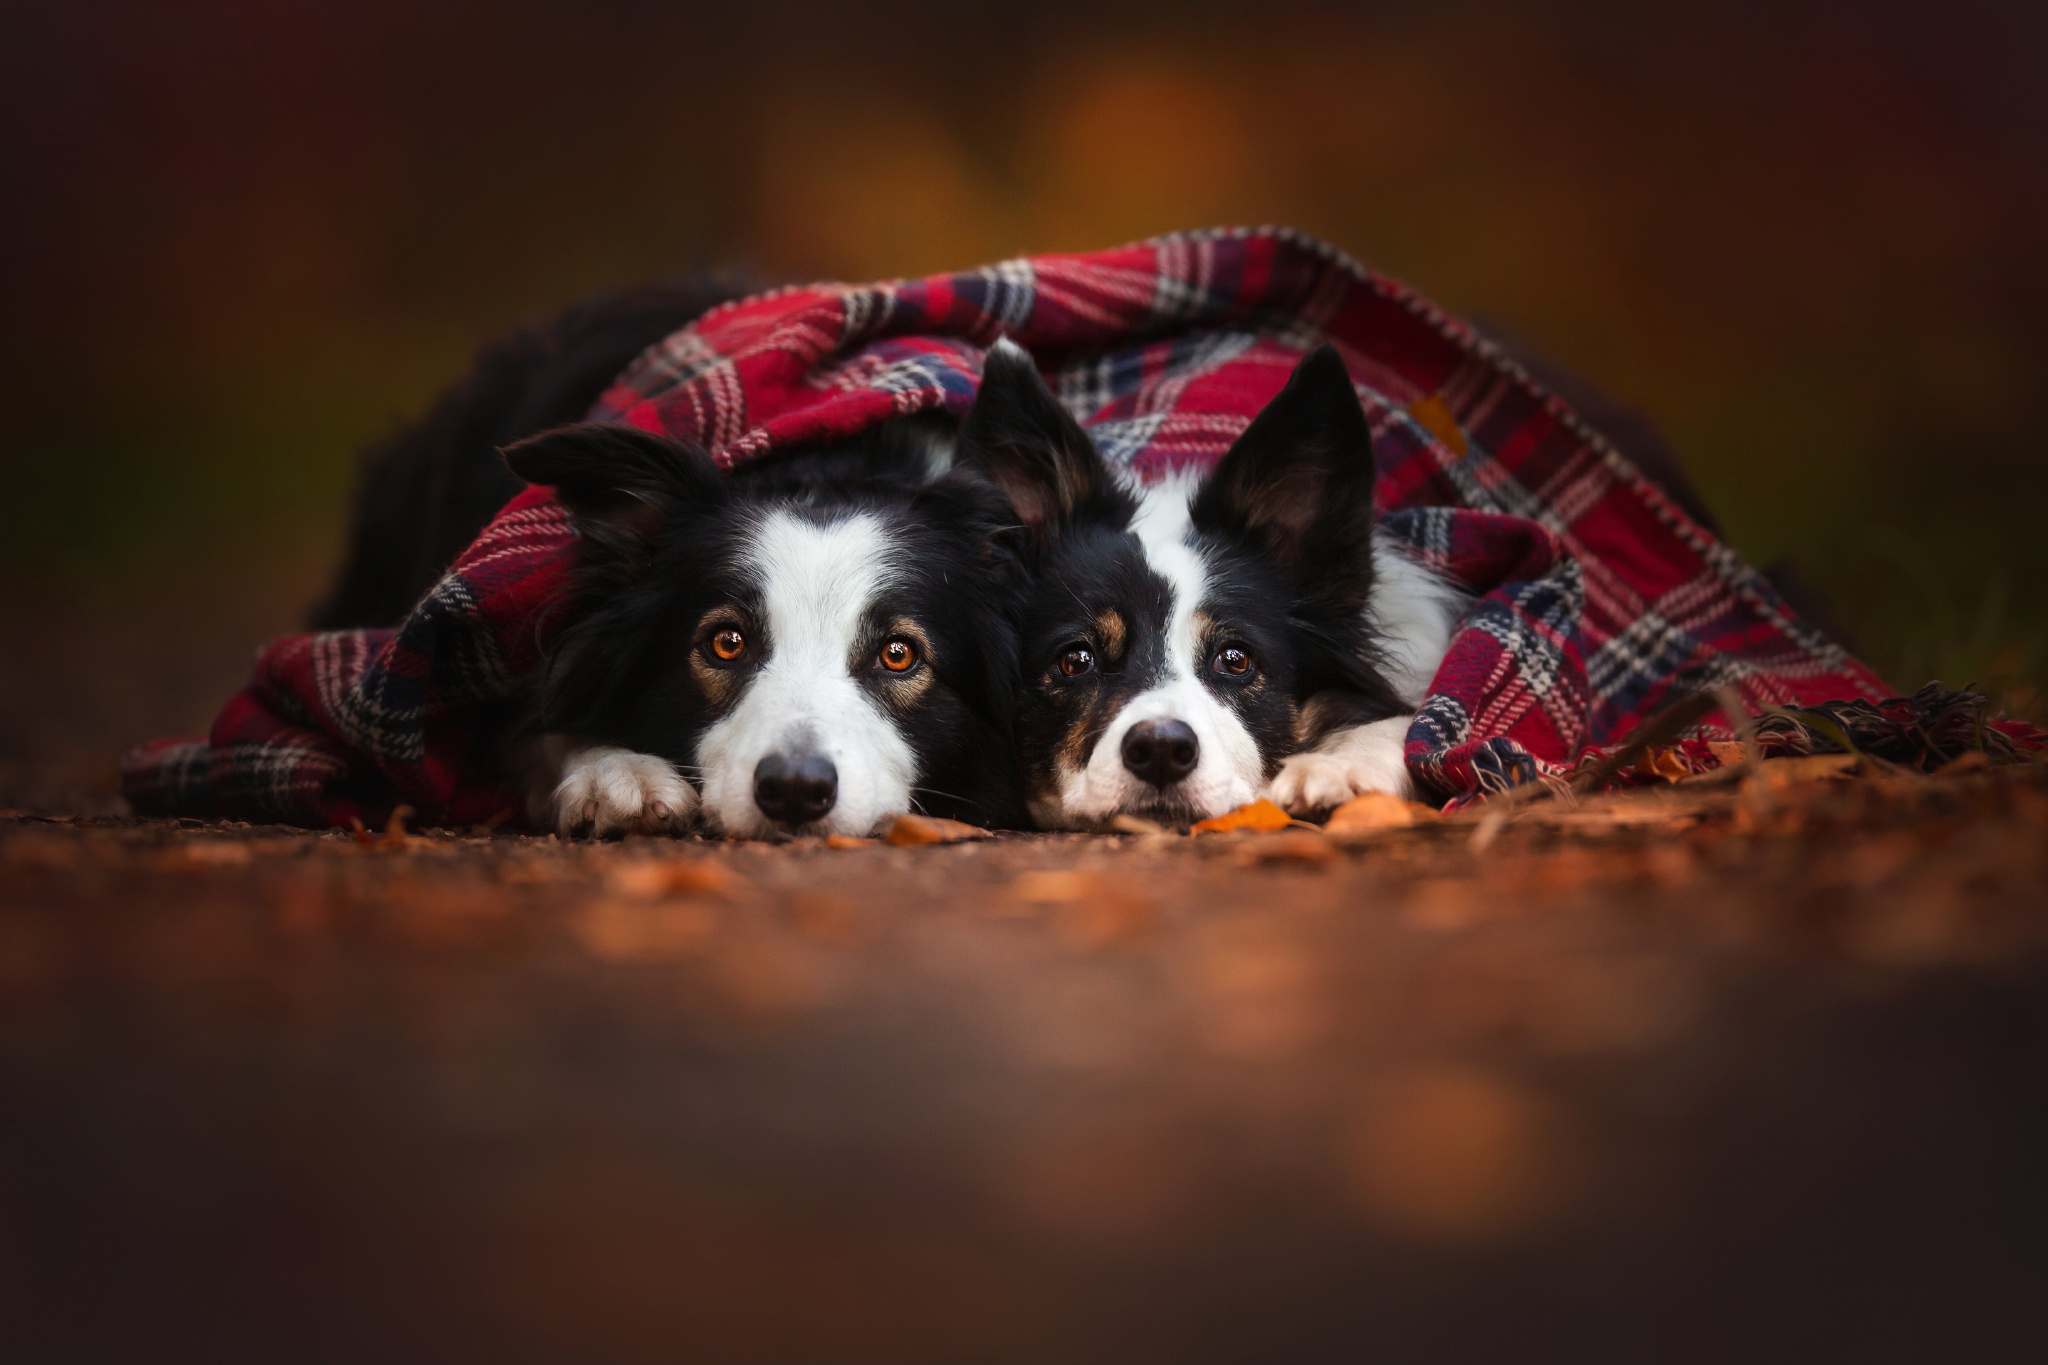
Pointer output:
x,y
911,830
1664,763
653,879
1433,415
1373,810
1259,815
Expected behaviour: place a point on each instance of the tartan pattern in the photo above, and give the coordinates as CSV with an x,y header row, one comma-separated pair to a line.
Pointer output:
x,y
1596,600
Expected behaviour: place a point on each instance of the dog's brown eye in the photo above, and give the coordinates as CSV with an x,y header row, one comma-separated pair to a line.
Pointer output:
x,y
728,644
898,655
1077,661
1232,660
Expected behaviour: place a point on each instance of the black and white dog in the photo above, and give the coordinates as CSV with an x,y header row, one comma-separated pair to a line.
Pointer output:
x,y
815,642
1195,644
977,619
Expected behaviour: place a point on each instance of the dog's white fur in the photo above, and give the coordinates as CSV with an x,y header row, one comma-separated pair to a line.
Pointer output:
x,y
817,583
1413,612
616,791
1228,772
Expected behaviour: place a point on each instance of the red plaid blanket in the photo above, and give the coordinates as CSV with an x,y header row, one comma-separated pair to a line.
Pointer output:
x,y
1596,600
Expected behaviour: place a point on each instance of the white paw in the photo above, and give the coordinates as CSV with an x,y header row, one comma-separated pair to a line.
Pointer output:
x,y
1364,758
606,791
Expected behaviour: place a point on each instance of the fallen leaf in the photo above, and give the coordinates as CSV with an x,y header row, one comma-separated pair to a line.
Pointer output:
x,y
1372,811
913,830
1136,824
847,841
1807,768
653,879
207,853
1434,416
1057,887
1259,815
1726,752
1664,763
1652,817
394,836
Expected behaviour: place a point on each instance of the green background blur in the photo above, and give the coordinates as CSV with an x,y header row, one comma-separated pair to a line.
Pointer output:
x,y
1807,239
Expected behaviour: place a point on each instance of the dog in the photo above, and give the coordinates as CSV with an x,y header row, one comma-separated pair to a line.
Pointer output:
x,y
814,642
1190,646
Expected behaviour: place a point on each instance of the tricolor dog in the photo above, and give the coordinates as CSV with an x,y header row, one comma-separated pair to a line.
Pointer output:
x,y
1192,645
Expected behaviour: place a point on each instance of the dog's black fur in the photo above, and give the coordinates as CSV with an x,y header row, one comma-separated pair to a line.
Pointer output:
x,y
1284,525
661,529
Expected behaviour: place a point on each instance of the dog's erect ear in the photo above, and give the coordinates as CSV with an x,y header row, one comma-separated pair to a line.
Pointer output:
x,y
1019,436
1298,482
621,485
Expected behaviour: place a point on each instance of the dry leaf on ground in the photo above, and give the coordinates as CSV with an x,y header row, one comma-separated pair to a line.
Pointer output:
x,y
1259,815
1057,886
1809,768
1373,811
912,830
653,879
1663,763
199,854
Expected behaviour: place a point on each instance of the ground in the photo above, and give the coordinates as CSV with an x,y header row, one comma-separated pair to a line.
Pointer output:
x,y
1752,1071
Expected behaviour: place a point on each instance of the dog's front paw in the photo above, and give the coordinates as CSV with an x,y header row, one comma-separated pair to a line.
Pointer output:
x,y
606,791
1365,758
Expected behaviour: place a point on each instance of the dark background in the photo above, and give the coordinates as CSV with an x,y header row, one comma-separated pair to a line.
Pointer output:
x,y
241,238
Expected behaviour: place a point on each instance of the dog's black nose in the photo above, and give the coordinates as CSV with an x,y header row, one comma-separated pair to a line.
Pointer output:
x,y
1161,751
795,790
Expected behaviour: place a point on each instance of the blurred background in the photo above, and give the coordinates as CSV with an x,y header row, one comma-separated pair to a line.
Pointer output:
x,y
241,239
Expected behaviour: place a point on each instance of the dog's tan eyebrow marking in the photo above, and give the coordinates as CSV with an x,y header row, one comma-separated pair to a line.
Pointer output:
x,y
1109,633
721,687
906,692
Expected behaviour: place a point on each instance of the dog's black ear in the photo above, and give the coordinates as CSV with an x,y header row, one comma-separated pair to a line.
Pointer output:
x,y
1298,482
1019,436
621,485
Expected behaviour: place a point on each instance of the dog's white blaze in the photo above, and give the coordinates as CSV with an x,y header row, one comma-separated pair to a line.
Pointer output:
x,y
816,582
1229,771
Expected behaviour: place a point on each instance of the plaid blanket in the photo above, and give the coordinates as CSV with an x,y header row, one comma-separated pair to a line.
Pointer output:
x,y
1596,600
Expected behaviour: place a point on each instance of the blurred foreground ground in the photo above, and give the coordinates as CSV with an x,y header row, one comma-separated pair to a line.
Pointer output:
x,y
1693,1074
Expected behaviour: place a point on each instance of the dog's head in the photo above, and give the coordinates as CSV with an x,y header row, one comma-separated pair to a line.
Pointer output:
x,y
823,639
1180,640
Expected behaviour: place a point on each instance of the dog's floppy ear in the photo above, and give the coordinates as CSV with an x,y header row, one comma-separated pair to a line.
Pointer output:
x,y
1298,482
621,485
1019,436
